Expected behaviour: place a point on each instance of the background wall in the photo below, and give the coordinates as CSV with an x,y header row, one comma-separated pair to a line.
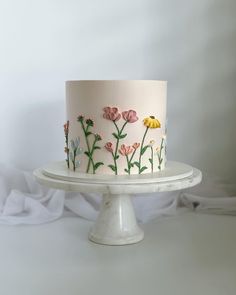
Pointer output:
x,y
192,44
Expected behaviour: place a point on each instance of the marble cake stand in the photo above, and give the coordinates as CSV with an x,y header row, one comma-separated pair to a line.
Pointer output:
x,y
116,223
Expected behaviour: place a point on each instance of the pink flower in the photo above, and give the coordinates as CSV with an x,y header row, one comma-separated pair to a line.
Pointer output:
x,y
135,145
111,114
125,150
130,116
66,128
108,147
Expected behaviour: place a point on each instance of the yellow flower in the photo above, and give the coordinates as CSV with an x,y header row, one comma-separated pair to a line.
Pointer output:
x,y
151,122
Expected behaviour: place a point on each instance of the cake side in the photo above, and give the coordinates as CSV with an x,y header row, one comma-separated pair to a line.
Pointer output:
x,y
116,127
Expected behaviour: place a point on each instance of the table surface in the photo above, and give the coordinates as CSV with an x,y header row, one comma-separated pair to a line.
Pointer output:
x,y
185,254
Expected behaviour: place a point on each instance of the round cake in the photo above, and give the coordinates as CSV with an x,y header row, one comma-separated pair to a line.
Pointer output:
x,y
115,127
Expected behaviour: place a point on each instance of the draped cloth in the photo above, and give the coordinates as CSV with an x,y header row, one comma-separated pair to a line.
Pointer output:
x,y
24,201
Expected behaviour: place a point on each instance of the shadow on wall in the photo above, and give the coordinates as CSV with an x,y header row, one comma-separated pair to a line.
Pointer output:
x,y
197,45
40,136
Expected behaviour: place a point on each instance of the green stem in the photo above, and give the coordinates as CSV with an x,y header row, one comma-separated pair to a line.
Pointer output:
x,y
160,154
91,154
140,154
119,132
123,127
67,152
128,163
87,143
132,156
74,156
152,158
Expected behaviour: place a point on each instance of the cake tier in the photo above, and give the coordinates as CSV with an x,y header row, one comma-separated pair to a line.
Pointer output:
x,y
116,127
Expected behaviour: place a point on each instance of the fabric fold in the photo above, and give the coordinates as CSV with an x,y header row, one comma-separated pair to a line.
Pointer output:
x,y
24,201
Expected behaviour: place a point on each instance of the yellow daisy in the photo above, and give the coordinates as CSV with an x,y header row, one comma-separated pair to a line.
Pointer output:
x,y
151,122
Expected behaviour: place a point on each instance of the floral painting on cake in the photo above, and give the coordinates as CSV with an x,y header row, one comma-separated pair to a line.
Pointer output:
x,y
112,114
119,146
87,125
128,151
66,149
75,150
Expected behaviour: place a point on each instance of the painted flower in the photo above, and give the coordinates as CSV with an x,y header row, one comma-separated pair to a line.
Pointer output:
x,y
111,114
125,150
151,122
130,116
89,122
109,147
80,118
151,143
98,137
66,128
136,145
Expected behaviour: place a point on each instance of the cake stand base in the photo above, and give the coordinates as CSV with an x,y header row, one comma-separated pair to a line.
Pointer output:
x,y
116,223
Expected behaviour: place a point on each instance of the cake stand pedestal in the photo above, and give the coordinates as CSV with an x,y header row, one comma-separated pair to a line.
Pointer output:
x,y
116,223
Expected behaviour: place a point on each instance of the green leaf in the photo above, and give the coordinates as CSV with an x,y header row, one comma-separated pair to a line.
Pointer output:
x,y
151,161
112,167
142,169
87,154
126,170
96,147
115,135
143,150
136,164
87,133
97,165
117,157
161,161
122,136
132,165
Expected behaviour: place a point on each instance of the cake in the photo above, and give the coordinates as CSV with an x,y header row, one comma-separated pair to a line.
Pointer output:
x,y
115,127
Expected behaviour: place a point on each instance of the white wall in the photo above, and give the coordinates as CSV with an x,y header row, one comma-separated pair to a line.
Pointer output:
x,y
191,44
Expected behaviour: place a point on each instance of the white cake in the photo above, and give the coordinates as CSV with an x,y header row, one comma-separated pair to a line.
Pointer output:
x,y
116,127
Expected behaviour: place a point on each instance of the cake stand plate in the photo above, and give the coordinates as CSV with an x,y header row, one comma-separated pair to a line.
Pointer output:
x,y
116,223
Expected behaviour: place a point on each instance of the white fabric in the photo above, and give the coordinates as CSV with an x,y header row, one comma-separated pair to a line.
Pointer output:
x,y
24,201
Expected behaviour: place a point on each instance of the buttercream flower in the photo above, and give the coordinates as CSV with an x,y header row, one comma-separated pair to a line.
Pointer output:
x,y
89,122
151,122
80,118
66,128
98,137
125,150
130,116
108,146
151,143
111,114
136,145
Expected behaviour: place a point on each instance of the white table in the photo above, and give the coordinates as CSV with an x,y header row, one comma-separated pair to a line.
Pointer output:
x,y
182,255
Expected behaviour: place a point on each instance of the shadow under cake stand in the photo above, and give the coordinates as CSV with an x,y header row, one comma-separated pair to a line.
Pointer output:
x,y
116,223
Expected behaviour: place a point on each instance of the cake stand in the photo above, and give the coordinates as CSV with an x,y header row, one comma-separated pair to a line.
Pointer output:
x,y
116,223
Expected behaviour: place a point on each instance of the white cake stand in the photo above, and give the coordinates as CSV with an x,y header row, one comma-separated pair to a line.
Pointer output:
x,y
116,223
